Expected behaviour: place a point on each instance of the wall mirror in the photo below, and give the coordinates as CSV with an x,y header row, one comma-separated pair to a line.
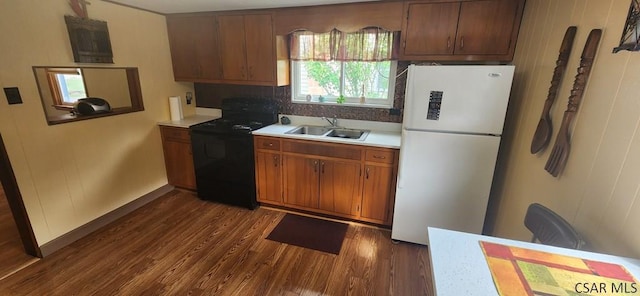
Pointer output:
x,y
62,89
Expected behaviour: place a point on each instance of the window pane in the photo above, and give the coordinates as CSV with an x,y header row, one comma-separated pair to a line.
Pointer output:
x,y
370,79
319,78
71,87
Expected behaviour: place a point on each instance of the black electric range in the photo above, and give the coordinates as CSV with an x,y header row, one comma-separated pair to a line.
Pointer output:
x,y
223,151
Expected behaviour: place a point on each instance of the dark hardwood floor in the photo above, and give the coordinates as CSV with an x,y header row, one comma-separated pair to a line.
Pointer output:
x,y
180,245
12,253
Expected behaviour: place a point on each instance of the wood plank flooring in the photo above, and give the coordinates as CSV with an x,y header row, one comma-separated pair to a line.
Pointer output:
x,y
180,245
12,253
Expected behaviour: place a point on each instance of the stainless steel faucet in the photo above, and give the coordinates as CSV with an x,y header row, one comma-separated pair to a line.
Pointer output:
x,y
333,121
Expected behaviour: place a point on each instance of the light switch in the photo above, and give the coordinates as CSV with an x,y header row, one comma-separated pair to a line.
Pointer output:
x,y
13,95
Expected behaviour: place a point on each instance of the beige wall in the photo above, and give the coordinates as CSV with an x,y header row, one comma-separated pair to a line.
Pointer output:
x,y
598,191
70,174
109,84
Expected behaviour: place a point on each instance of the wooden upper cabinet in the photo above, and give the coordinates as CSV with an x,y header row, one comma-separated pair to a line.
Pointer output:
x,y
431,28
478,30
194,48
230,48
248,49
260,47
233,47
485,27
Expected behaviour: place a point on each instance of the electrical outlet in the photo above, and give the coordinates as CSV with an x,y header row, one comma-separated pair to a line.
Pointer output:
x,y
189,97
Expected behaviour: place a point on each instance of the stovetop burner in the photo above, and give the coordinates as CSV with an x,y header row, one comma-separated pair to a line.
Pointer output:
x,y
228,125
241,115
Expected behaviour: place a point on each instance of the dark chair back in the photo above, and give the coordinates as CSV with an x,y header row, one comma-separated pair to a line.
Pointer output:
x,y
550,229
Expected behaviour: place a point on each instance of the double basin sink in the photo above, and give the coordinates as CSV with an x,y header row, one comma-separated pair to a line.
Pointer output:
x,y
329,131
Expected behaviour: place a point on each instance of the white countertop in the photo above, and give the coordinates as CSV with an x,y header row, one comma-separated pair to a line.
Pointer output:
x,y
459,266
382,134
384,139
188,121
202,115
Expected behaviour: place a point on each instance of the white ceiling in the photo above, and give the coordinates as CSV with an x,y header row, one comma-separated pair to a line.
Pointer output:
x,y
177,6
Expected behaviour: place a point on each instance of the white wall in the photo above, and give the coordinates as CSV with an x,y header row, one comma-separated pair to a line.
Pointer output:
x,y
599,189
70,174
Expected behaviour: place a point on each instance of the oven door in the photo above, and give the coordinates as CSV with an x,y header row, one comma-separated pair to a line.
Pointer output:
x,y
224,167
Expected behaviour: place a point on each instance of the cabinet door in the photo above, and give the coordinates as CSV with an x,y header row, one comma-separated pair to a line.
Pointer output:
x,y
376,196
179,164
194,48
269,177
485,27
430,28
301,176
260,47
232,47
339,186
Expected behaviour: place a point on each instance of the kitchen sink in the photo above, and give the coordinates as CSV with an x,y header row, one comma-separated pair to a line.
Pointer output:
x,y
346,133
327,131
309,130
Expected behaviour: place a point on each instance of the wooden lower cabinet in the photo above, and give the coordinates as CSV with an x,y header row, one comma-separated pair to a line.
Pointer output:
x,y
176,144
339,186
379,183
350,181
269,177
301,181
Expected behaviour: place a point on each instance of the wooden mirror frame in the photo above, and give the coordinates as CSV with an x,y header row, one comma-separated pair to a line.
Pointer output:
x,y
135,94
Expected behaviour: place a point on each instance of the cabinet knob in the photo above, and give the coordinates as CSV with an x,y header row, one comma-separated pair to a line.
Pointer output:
x,y
462,42
275,161
448,42
366,173
379,157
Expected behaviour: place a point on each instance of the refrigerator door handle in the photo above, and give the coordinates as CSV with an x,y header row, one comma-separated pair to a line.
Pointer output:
x,y
403,143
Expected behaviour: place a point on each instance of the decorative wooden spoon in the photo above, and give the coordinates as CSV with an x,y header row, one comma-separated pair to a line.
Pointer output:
x,y
560,153
543,132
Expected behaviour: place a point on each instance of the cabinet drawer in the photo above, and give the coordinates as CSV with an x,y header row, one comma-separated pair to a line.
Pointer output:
x,y
323,149
267,143
382,156
175,134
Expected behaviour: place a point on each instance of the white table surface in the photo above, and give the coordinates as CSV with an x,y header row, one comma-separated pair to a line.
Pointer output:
x,y
459,266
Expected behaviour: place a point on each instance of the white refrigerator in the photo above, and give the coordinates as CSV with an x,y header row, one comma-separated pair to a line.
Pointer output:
x,y
453,119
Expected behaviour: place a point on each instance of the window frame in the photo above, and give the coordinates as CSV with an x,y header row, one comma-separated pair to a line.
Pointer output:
x,y
387,103
54,84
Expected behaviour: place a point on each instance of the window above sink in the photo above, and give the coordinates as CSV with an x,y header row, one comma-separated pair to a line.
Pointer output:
x,y
354,69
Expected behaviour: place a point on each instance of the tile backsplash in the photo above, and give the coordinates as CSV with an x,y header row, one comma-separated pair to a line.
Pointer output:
x,y
211,96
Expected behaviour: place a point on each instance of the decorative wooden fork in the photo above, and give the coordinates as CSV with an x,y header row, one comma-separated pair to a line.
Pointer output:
x,y
560,153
